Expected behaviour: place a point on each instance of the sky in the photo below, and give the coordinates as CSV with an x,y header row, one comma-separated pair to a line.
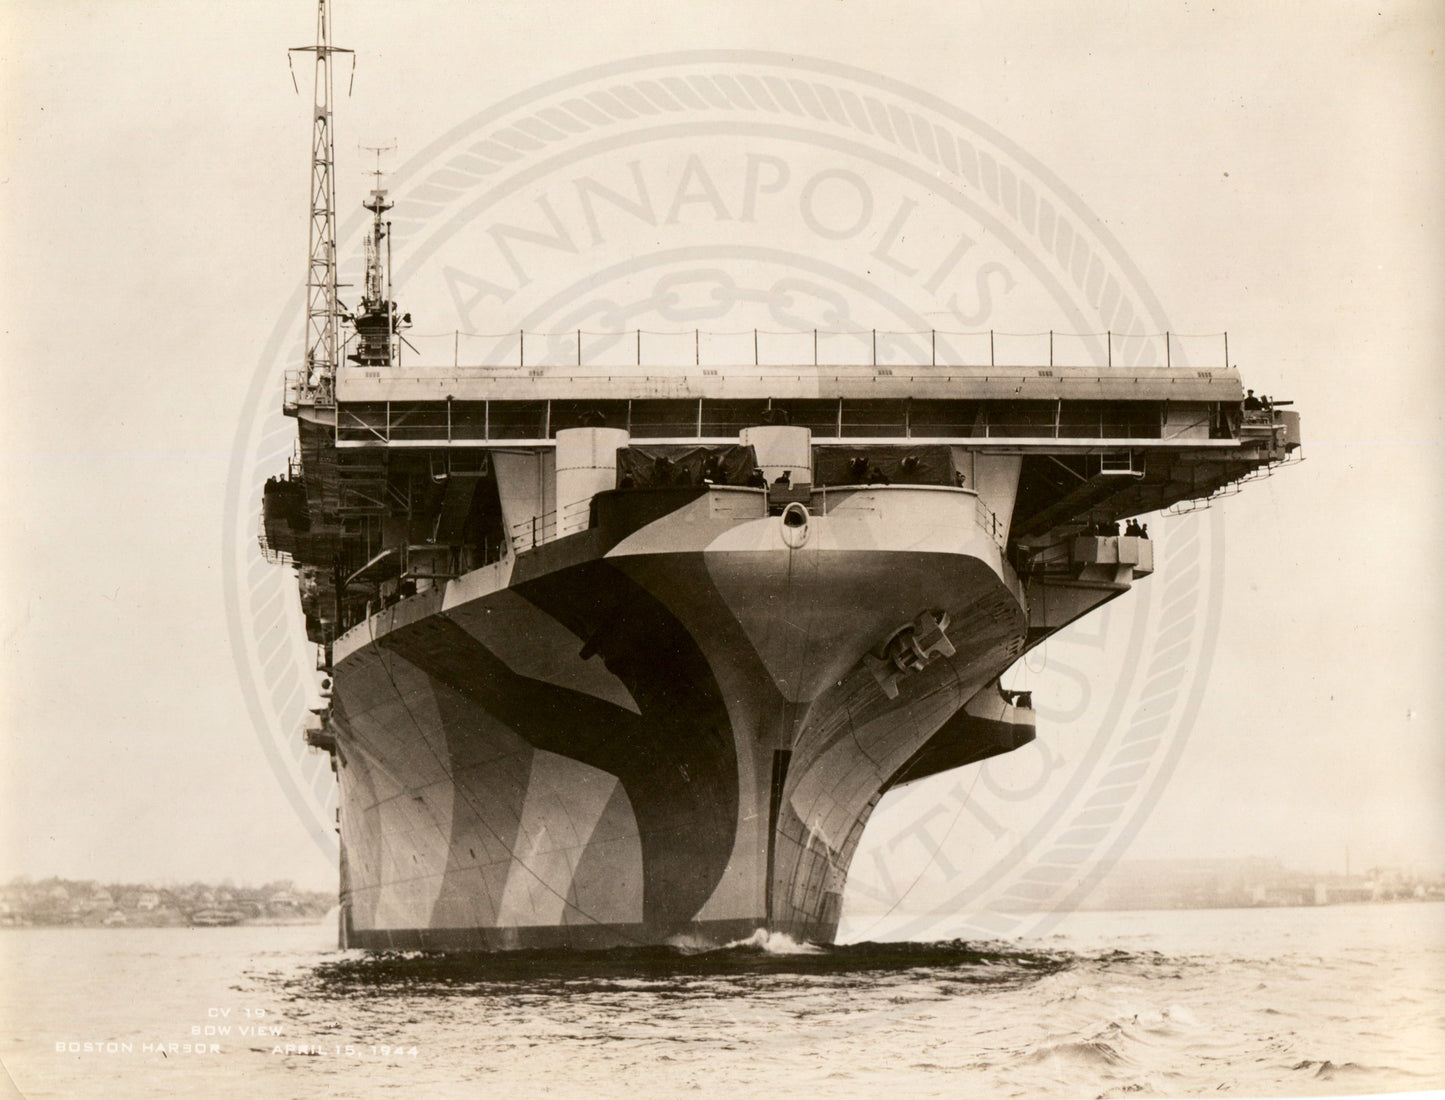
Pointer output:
x,y
1271,169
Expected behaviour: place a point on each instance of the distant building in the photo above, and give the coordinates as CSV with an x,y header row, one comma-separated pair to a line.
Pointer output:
x,y
1344,891
1291,893
1198,884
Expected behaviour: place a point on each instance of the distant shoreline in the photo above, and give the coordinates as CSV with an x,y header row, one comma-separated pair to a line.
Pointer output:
x,y
317,921
249,922
88,903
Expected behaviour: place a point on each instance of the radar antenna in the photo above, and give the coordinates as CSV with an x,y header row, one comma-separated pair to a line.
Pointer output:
x,y
322,311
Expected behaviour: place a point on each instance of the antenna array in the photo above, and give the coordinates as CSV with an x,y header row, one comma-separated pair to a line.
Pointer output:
x,y
322,310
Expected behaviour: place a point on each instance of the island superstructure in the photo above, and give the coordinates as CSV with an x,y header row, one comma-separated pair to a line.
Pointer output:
x,y
619,654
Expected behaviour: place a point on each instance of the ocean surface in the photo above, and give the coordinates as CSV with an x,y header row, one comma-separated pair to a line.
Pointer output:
x,y
1270,1002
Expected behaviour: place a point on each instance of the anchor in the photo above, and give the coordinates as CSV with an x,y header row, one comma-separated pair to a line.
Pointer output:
x,y
908,649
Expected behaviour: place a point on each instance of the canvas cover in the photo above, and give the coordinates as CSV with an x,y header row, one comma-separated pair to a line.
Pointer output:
x,y
925,465
656,467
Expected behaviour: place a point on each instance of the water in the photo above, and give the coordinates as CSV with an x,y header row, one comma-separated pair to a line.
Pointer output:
x,y
1332,1001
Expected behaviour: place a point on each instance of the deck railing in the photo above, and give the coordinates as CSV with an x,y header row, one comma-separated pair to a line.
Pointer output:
x,y
476,422
542,353
541,529
819,347
298,390
269,553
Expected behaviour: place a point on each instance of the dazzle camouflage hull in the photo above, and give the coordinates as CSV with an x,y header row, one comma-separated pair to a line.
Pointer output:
x,y
672,735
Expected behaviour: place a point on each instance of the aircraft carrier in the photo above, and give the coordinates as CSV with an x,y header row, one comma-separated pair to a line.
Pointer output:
x,y
620,654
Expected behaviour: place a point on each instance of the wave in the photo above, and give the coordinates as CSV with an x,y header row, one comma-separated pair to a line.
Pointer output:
x,y
777,943
1336,1071
763,954
1087,1052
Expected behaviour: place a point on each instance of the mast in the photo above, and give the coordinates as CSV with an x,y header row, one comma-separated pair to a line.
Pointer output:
x,y
378,325
321,305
